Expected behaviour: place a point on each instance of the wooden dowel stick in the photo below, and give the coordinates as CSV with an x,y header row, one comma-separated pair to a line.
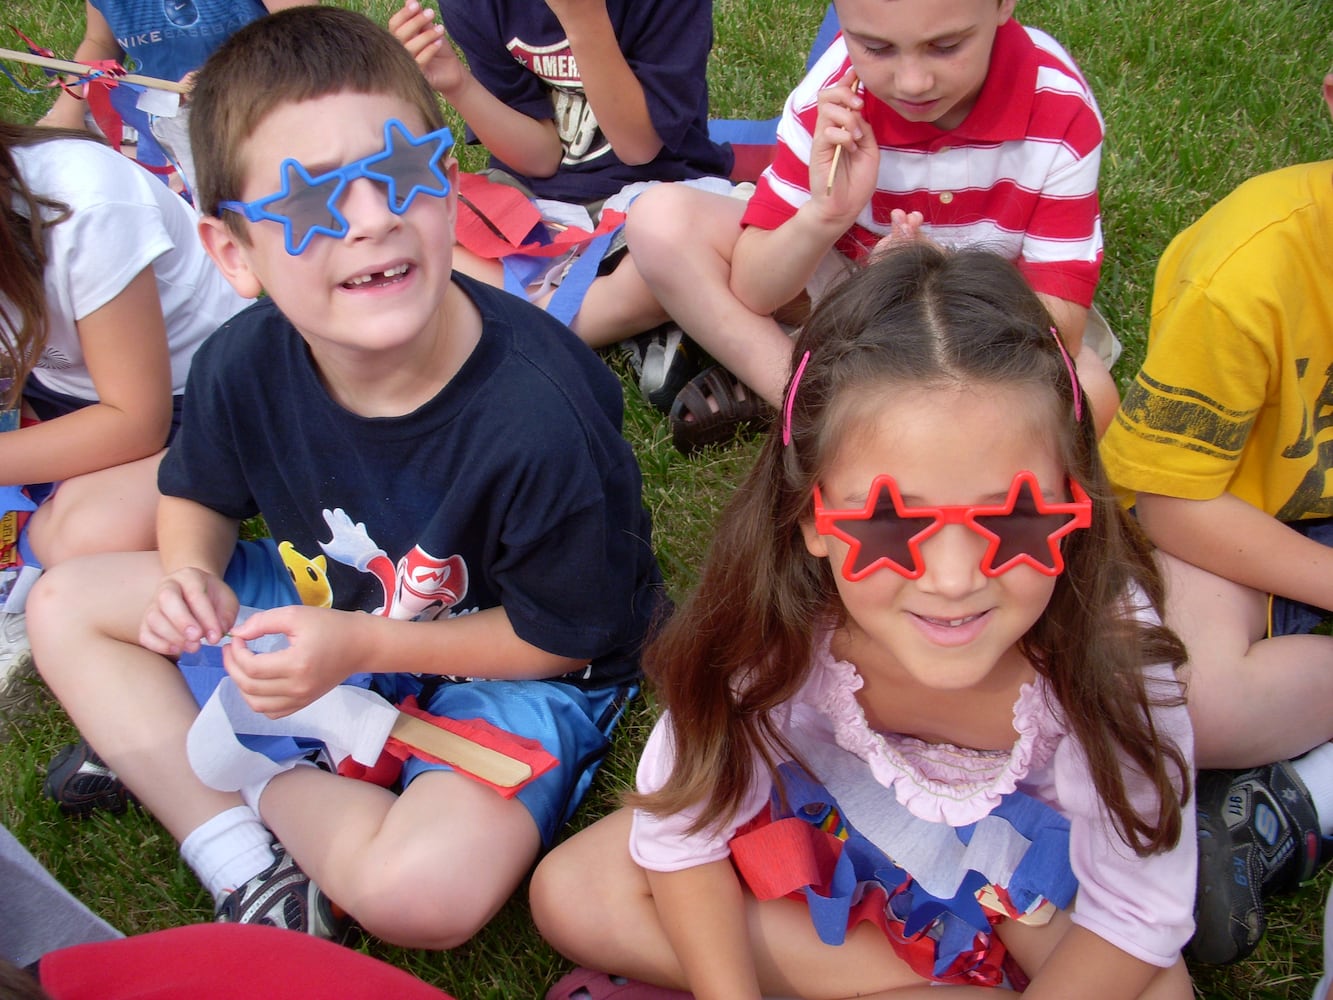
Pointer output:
x,y
82,69
854,83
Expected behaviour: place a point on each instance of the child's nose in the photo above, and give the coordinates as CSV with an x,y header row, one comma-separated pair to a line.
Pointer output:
x,y
913,77
365,206
953,562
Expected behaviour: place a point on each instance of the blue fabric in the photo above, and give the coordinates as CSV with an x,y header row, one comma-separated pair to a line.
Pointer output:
x,y
169,39
573,725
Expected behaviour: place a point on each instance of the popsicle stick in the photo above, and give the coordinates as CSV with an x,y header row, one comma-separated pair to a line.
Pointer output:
x,y
837,152
493,766
82,69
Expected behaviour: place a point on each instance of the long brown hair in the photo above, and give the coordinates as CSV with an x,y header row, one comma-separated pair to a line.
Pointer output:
x,y
742,644
27,215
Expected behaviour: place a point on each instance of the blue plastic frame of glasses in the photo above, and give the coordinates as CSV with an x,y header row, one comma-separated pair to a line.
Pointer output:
x,y
406,161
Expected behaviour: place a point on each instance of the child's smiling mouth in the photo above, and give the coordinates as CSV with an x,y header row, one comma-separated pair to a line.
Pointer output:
x,y
378,279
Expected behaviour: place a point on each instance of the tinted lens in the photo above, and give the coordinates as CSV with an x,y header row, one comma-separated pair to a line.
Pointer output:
x,y
409,170
884,535
1025,532
308,206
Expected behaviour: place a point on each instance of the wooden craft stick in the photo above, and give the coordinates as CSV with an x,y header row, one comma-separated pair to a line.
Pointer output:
x,y
82,69
837,152
492,765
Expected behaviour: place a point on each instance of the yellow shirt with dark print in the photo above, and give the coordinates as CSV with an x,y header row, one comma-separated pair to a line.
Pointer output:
x,y
1236,393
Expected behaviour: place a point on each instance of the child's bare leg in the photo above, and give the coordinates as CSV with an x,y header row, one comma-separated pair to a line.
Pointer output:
x,y
616,306
112,510
489,271
426,869
130,704
1253,700
592,903
681,240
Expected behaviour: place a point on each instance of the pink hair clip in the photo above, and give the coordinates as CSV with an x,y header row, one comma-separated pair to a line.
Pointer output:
x,y
790,401
1073,377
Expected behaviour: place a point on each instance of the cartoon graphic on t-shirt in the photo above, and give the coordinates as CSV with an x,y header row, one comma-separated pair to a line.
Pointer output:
x,y
309,576
580,136
420,587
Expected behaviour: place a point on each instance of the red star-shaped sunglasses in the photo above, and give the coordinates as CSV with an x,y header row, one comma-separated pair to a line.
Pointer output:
x,y
887,534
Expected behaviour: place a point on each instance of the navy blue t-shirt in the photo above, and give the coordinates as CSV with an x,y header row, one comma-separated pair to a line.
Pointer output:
x,y
518,51
512,487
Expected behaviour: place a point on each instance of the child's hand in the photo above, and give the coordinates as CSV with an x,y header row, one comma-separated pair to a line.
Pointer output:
x,y
321,654
191,607
428,44
846,190
904,227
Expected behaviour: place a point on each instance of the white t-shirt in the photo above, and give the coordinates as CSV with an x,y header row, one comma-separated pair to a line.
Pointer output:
x,y
122,220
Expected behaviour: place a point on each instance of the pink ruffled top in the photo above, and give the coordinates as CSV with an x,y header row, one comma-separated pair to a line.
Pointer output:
x,y
935,781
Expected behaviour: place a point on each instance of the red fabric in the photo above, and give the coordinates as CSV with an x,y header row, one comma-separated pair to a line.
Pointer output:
x,y
222,962
496,220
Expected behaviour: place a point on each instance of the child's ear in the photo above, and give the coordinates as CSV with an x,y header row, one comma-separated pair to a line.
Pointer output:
x,y
815,543
1006,10
230,256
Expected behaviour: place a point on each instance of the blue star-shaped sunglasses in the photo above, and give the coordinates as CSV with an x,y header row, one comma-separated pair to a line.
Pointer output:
x,y
887,534
407,166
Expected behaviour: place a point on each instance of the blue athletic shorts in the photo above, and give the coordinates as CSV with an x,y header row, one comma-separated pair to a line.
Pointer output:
x,y
572,724
1288,617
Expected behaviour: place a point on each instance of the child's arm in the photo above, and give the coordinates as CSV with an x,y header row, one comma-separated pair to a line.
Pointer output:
x,y
702,910
530,146
99,42
613,91
125,349
771,267
1070,319
1234,540
192,604
1086,966
326,647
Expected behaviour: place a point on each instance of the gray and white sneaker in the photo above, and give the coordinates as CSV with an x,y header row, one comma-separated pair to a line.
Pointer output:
x,y
282,895
16,665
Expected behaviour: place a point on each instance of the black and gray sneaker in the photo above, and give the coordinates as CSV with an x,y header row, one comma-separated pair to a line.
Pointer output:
x,y
1258,835
81,783
282,895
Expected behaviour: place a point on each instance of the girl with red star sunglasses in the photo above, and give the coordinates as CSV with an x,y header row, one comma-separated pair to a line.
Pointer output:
x,y
923,685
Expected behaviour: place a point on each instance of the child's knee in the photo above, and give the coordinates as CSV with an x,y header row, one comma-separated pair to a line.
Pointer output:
x,y
399,903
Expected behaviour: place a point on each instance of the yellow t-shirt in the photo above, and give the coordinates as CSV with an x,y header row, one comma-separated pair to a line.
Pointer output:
x,y
1236,393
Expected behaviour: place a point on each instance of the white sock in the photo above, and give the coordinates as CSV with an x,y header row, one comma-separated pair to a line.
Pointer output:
x,y
1316,770
228,850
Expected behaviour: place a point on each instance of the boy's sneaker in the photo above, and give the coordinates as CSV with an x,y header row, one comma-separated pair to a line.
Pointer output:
x,y
664,359
282,895
1258,835
81,783
16,665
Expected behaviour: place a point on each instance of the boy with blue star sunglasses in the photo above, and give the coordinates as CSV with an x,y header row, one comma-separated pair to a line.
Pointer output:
x,y
455,516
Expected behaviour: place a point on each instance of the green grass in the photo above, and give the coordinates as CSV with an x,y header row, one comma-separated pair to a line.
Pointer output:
x,y
1197,94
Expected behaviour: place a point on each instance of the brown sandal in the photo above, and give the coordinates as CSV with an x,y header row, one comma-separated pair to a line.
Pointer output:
x,y
711,408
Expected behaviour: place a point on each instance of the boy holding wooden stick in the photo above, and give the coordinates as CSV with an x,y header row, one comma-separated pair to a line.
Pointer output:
x,y
441,466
